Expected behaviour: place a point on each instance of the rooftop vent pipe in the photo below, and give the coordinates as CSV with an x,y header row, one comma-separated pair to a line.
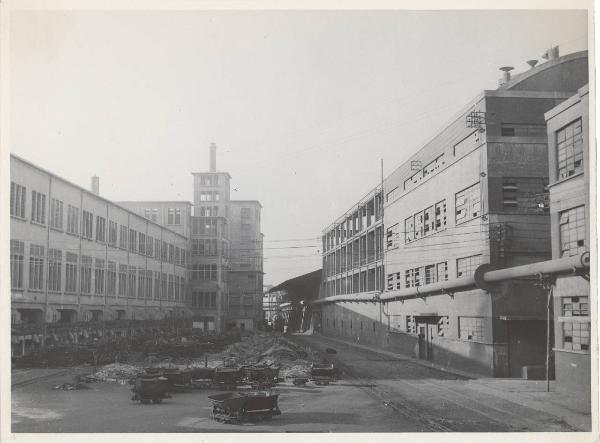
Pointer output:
x,y
551,53
506,74
532,63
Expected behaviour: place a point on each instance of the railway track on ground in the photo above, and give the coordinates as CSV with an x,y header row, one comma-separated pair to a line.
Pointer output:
x,y
29,381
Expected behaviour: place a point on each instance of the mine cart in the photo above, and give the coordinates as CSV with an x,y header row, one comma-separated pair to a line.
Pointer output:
x,y
233,407
179,380
202,377
150,389
227,378
323,374
300,381
261,377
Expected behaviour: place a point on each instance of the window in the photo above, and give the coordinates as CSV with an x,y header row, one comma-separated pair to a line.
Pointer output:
x,y
38,207
391,236
157,295
141,283
174,216
100,229
149,246
142,243
163,286
442,271
17,260
56,214
411,324
204,226
151,214
443,326
178,256
71,272
468,204
164,251
572,231
87,225
54,270
131,285
99,277
413,277
393,281
465,267
86,274
157,249
428,220
17,200
111,278
425,222
569,144
576,336
430,274
171,253
122,280
440,215
204,272
36,267
577,306
409,229
171,287
132,240
471,328
149,285
72,220
123,233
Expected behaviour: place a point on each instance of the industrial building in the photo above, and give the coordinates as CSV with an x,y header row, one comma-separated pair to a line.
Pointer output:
x,y
475,194
569,183
76,256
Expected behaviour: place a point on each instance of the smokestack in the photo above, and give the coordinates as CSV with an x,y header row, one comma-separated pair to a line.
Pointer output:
x,y
506,74
532,63
213,157
96,185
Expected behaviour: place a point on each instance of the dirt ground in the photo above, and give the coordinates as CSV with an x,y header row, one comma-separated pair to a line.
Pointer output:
x,y
375,394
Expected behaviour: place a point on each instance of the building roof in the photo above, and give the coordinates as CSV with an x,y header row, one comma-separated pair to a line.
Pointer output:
x,y
155,201
303,287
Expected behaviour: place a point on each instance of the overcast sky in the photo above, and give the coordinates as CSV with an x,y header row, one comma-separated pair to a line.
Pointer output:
x,y
302,105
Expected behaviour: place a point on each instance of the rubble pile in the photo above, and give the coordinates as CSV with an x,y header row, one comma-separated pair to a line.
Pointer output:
x,y
117,372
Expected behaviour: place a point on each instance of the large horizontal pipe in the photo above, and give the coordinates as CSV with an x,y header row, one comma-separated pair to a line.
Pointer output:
x,y
565,265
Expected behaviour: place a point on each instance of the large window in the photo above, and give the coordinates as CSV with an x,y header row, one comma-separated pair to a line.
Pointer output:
x,y
17,200
100,229
204,272
132,240
122,280
38,207
71,272
576,330
468,204
572,231
56,214
17,259
72,220
87,225
465,267
174,216
142,243
151,214
569,146
131,286
111,278
471,328
86,274
123,235
54,270
112,233
425,222
36,267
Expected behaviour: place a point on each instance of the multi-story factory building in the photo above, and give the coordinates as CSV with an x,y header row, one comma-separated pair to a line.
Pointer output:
x,y
476,193
76,256
569,166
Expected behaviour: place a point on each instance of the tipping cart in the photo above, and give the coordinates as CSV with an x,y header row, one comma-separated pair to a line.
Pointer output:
x,y
323,374
227,378
150,389
233,407
179,380
202,377
261,377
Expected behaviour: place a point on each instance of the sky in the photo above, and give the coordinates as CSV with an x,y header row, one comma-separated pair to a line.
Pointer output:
x,y
302,105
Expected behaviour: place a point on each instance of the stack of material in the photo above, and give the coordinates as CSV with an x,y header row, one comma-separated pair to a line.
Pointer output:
x,y
117,372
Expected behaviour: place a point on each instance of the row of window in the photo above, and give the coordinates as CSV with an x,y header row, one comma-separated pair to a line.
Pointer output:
x,y
173,215
423,275
202,272
204,299
576,334
108,276
111,233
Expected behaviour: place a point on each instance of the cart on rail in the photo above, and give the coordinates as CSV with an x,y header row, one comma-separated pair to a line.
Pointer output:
x,y
234,407
261,377
180,380
227,378
150,388
323,374
202,378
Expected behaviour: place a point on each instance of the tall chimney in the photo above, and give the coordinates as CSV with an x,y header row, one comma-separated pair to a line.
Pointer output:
x,y
213,157
96,185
